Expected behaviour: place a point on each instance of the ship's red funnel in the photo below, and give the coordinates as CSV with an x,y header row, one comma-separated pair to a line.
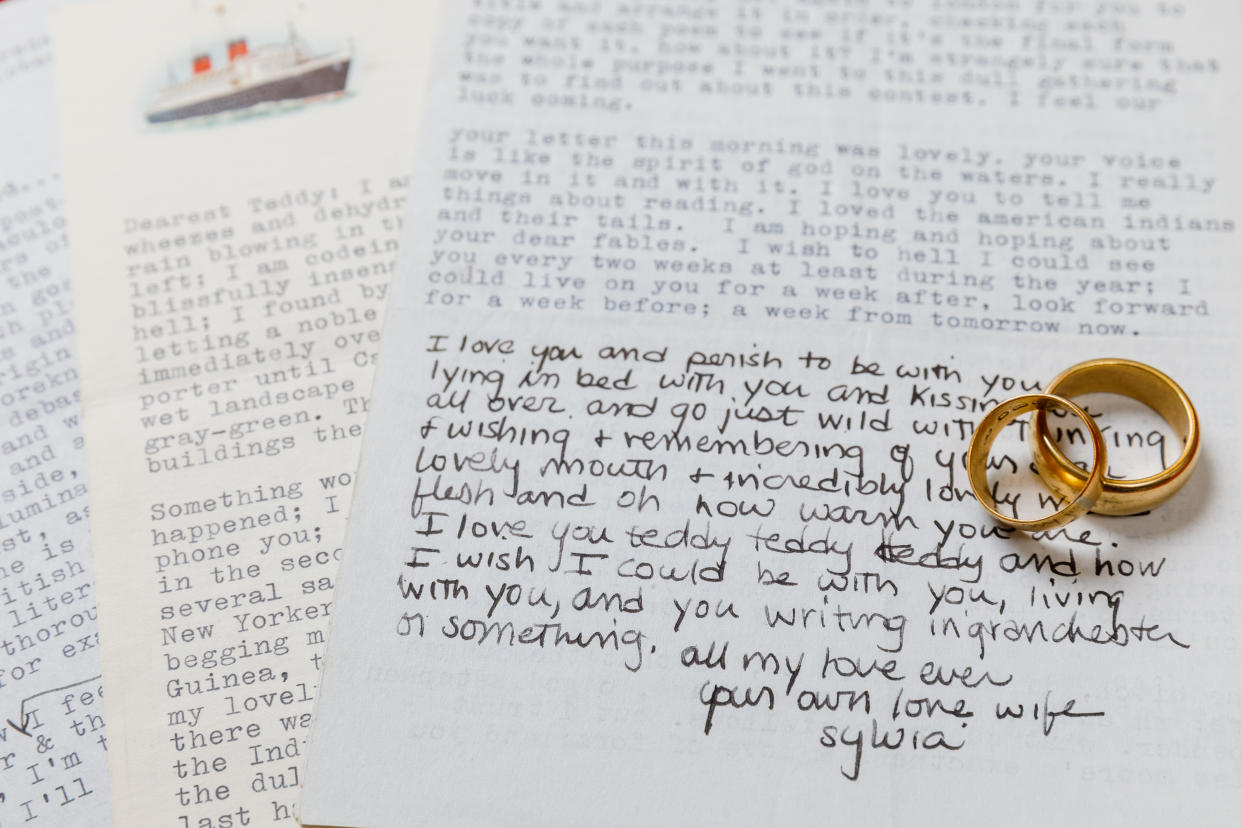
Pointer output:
x,y
202,63
237,48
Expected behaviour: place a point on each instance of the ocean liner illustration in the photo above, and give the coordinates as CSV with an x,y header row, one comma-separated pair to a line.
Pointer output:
x,y
266,74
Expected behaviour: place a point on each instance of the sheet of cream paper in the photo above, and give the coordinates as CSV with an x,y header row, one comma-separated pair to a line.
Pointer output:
x,y
1053,168
735,574
916,169
229,278
53,748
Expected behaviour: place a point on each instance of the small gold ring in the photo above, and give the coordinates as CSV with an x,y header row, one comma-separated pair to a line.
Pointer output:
x,y
1079,500
1130,379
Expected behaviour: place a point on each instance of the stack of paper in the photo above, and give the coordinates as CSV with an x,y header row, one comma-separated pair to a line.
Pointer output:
x,y
680,317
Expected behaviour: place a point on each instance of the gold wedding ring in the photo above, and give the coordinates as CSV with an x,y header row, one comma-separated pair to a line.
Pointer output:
x,y
1082,495
1131,379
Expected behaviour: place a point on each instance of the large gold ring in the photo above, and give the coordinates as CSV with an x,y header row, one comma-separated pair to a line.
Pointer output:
x,y
1080,499
1131,379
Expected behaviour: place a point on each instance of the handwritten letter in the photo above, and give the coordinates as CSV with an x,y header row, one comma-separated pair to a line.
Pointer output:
x,y
739,574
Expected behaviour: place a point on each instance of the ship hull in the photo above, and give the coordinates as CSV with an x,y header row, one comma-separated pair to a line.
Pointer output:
x,y
323,80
